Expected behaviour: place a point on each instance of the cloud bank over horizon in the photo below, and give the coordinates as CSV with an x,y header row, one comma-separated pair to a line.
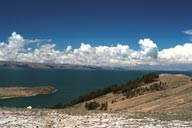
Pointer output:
x,y
18,49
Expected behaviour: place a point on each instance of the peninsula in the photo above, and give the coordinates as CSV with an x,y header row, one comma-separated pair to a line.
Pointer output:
x,y
14,92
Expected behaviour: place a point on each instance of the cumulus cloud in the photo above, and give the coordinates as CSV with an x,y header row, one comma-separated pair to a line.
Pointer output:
x,y
148,48
117,56
180,54
68,49
15,45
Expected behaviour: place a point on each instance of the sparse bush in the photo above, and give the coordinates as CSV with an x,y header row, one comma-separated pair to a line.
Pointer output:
x,y
59,106
141,91
92,105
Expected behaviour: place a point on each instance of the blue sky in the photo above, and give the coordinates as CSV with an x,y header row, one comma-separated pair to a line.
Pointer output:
x,y
98,22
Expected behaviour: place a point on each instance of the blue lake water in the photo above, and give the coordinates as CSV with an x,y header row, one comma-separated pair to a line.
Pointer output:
x,y
70,83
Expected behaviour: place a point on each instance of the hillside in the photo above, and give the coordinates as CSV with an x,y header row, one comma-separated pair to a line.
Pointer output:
x,y
176,97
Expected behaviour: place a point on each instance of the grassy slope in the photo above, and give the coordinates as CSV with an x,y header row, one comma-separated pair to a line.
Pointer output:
x,y
176,98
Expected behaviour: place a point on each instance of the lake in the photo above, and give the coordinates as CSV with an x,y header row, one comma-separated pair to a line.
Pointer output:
x,y
70,83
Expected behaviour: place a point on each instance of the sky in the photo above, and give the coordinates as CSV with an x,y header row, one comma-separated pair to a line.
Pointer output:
x,y
118,33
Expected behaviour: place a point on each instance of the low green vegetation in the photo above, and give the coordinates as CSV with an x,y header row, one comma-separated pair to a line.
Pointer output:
x,y
143,90
93,105
130,89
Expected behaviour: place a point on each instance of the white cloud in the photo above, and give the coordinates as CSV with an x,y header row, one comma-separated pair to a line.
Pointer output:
x,y
188,32
119,56
8,51
29,41
68,49
148,48
180,54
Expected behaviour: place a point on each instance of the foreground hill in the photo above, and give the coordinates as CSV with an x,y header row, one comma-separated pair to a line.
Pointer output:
x,y
176,96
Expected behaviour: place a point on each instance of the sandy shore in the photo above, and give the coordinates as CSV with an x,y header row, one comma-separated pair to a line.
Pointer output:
x,y
45,118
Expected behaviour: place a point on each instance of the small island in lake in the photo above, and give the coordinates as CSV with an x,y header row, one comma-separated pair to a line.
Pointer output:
x,y
13,92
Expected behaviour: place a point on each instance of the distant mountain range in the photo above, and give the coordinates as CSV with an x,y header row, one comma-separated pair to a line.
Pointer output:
x,y
175,67
13,64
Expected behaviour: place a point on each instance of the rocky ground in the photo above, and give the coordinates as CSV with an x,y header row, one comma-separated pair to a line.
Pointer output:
x,y
46,118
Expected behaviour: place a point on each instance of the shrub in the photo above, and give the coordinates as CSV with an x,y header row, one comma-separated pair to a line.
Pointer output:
x,y
59,106
92,105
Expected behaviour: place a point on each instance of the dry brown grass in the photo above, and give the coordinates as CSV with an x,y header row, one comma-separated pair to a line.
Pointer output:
x,y
176,98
